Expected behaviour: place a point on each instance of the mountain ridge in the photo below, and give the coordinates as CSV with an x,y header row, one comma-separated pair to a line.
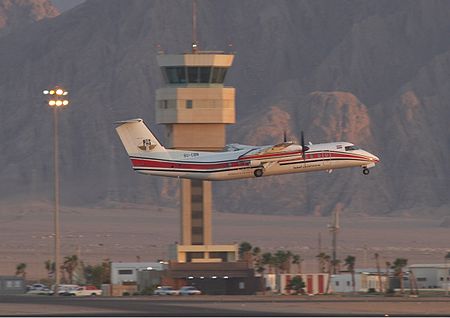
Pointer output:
x,y
334,70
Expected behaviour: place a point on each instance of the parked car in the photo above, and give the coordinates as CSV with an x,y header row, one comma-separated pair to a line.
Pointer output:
x,y
189,290
40,291
85,291
165,290
37,286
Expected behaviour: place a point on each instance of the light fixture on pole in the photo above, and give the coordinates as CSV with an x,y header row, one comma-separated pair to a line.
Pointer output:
x,y
56,100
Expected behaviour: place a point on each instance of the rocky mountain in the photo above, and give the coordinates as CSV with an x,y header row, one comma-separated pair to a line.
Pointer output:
x,y
371,72
16,14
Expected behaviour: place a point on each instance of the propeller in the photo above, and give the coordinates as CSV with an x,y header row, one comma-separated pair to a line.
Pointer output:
x,y
284,136
304,148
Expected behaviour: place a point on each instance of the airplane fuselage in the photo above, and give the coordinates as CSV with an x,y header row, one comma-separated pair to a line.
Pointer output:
x,y
247,163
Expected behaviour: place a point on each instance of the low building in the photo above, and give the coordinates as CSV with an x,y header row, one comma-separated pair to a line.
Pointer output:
x,y
131,278
315,283
10,285
127,273
218,278
431,276
365,281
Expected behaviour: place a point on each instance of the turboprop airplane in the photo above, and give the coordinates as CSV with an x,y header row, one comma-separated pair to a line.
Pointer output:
x,y
237,161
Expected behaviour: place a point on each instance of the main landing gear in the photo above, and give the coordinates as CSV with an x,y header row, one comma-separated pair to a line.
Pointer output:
x,y
366,171
258,173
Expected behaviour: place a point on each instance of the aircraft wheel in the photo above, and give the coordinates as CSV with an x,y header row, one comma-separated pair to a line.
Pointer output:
x,y
366,171
258,173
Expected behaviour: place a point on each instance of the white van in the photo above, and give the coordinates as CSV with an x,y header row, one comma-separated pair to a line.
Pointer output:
x,y
64,289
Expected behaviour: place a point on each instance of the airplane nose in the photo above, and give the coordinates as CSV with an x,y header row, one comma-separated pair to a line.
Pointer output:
x,y
374,158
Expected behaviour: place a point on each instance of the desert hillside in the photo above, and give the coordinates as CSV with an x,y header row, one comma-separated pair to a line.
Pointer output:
x,y
375,73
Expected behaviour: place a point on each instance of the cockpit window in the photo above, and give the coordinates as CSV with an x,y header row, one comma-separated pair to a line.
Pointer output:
x,y
350,148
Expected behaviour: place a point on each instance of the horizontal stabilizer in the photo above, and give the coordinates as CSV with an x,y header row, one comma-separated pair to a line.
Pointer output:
x,y
135,120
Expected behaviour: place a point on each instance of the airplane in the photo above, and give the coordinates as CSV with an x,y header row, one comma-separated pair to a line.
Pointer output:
x,y
236,161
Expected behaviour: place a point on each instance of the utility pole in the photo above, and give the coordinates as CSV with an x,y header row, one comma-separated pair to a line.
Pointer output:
x,y
380,282
319,251
447,258
334,228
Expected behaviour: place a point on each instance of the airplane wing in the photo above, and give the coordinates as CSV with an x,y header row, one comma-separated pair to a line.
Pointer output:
x,y
237,147
275,148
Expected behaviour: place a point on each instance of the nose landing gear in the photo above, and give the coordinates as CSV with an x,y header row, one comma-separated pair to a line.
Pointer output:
x,y
366,171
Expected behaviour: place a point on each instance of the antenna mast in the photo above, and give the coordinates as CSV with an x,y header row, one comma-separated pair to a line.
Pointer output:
x,y
194,27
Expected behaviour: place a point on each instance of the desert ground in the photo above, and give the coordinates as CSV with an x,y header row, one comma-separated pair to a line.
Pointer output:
x,y
129,232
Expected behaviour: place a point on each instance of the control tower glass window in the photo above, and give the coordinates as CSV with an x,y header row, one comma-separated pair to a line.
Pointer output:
x,y
199,74
194,74
204,74
176,74
218,75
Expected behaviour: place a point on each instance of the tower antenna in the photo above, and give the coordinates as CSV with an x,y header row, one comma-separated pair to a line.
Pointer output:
x,y
194,27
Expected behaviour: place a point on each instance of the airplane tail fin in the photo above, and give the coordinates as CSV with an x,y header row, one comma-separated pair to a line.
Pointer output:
x,y
137,138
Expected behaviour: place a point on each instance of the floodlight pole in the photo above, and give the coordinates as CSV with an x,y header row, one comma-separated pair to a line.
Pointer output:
x,y
56,100
56,212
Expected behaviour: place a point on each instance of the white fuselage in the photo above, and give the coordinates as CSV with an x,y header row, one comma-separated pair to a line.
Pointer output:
x,y
244,162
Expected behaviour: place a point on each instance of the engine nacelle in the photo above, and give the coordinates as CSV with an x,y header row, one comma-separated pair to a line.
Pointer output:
x,y
255,163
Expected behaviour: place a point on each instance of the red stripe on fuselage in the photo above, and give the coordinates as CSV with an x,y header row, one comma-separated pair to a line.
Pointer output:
x,y
149,163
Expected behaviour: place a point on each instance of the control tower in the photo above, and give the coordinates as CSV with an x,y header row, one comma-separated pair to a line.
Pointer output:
x,y
195,107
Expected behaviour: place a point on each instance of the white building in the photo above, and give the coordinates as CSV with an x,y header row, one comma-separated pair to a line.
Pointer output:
x,y
431,275
365,281
127,272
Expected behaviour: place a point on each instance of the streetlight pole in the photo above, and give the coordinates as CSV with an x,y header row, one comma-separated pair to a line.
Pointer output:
x,y
447,257
57,99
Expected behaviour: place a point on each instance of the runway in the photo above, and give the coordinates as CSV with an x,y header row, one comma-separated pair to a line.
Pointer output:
x,y
228,306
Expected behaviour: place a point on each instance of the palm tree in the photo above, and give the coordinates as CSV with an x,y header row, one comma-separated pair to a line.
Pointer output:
x,y
297,260
282,260
350,263
322,262
50,267
20,270
398,266
336,265
69,265
377,261
257,261
267,259
245,249
256,251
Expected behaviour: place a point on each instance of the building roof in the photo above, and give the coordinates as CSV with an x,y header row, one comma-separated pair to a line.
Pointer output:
x,y
429,266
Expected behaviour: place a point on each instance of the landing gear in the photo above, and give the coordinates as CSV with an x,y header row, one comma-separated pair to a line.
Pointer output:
x,y
258,173
366,171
